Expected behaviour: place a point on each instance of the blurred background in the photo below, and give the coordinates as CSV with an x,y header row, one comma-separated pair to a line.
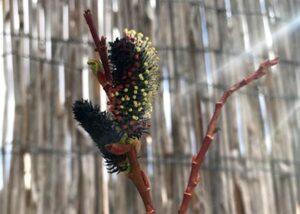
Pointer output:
x,y
49,165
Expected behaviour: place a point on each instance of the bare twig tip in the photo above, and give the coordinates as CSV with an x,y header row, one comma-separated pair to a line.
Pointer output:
x,y
274,61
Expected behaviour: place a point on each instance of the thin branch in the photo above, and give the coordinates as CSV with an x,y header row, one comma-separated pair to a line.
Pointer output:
x,y
136,174
197,160
99,43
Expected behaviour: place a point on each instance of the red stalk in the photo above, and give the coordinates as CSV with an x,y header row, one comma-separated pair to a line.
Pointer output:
x,y
100,44
136,174
197,160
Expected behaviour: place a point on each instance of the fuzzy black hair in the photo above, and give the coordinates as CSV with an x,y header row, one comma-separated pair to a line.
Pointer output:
x,y
122,58
102,130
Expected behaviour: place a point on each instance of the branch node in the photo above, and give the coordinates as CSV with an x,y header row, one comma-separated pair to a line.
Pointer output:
x,y
219,104
194,160
244,81
196,180
188,194
151,211
209,137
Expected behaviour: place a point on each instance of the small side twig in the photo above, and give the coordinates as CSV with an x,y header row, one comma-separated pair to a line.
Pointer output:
x,y
197,160
136,174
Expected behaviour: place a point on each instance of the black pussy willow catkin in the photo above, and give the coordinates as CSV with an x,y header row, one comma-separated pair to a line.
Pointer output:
x,y
102,130
135,80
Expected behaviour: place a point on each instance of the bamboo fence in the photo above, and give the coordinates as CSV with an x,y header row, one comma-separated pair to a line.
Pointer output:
x,y
48,164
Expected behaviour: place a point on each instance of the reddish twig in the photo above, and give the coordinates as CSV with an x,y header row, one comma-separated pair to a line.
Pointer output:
x,y
136,174
100,45
197,160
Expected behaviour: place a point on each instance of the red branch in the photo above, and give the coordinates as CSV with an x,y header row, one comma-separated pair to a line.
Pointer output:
x,y
197,160
136,174
100,44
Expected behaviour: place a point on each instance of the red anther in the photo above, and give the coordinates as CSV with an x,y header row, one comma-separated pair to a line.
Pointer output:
x,y
111,97
116,107
124,126
132,122
112,90
129,73
136,57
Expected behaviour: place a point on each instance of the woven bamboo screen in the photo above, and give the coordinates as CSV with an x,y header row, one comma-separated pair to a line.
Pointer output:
x,y
49,165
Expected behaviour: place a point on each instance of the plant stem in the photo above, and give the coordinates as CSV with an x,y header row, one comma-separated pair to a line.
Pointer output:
x,y
136,174
197,160
100,45
140,180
